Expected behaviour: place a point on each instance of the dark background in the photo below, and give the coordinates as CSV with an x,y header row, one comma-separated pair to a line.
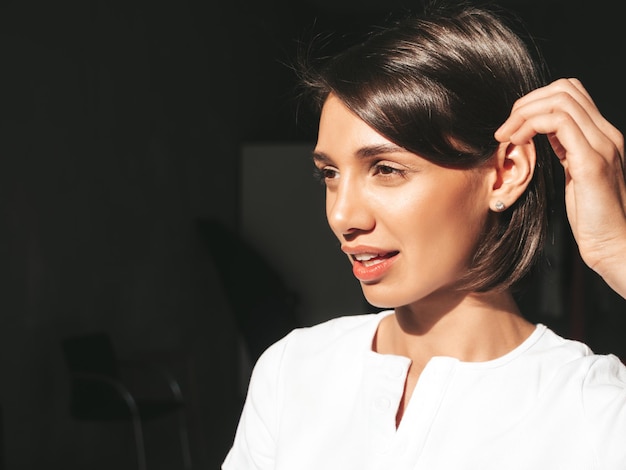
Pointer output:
x,y
121,126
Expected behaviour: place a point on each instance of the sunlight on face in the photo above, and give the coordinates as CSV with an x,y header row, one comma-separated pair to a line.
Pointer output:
x,y
408,226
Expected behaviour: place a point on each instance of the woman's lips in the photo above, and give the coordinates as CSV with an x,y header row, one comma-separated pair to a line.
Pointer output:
x,y
369,267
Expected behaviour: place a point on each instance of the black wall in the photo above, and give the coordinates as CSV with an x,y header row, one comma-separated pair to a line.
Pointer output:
x,y
120,127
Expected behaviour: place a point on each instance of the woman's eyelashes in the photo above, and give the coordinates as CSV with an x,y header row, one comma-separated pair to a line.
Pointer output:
x,y
382,170
387,170
324,174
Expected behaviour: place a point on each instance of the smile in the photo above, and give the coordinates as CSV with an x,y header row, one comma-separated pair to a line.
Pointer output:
x,y
370,259
370,267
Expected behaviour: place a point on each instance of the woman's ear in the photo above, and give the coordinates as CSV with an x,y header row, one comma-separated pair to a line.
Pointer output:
x,y
514,166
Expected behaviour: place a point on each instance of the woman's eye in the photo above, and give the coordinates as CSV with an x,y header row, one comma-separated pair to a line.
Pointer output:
x,y
386,170
324,174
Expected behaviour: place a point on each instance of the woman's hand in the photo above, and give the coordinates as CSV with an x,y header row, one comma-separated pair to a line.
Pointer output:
x,y
591,152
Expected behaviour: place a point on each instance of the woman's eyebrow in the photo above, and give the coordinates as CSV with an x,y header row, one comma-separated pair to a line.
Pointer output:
x,y
320,157
380,149
367,151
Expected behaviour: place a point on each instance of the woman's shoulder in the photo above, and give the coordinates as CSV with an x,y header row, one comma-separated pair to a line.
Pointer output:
x,y
571,349
595,384
345,328
340,334
575,360
341,325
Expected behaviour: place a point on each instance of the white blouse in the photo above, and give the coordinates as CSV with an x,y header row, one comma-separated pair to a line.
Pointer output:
x,y
321,399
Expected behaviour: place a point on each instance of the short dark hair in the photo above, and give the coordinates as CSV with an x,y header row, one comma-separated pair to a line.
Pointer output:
x,y
439,84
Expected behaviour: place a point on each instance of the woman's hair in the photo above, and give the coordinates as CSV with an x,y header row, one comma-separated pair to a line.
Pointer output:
x,y
439,85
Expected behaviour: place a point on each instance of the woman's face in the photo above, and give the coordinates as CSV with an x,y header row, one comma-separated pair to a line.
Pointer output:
x,y
408,226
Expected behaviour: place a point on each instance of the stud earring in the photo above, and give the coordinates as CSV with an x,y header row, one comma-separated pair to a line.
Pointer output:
x,y
500,206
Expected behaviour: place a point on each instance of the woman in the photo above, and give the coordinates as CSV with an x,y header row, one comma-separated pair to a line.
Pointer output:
x,y
432,145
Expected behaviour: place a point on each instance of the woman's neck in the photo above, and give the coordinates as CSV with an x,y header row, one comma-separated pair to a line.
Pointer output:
x,y
470,327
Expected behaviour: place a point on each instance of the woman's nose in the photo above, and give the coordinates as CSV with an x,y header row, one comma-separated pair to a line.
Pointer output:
x,y
347,209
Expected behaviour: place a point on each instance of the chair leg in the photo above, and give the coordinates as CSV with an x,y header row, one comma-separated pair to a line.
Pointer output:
x,y
184,439
139,443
